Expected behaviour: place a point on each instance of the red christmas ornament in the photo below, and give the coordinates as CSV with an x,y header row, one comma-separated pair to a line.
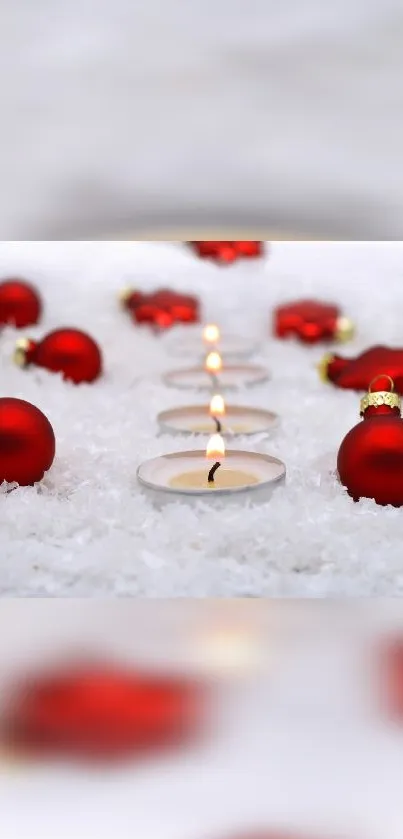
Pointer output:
x,y
67,351
27,442
20,304
311,321
357,373
370,458
227,252
97,712
162,309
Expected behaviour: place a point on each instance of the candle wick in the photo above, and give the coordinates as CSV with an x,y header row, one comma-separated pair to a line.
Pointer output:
x,y
212,472
218,425
214,381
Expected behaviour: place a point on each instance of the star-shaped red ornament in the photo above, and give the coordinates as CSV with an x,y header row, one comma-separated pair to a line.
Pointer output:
x,y
227,252
311,321
162,308
102,713
358,373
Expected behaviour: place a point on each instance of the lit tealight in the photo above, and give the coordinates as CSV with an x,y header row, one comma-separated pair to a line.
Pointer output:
x,y
215,447
214,362
211,334
217,406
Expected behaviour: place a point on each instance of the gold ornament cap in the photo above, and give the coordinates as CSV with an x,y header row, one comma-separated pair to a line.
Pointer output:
x,y
323,367
345,329
125,294
377,398
22,347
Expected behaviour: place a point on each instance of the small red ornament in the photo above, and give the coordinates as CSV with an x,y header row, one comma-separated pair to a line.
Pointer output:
x,y
68,351
357,373
94,712
162,308
370,458
20,304
227,252
27,442
311,321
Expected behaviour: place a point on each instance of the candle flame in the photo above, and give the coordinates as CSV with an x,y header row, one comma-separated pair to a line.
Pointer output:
x,y
214,362
215,447
217,406
211,334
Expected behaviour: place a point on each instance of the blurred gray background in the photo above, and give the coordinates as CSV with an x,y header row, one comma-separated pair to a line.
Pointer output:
x,y
127,119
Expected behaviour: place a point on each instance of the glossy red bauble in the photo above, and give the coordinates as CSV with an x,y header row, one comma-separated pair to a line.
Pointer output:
x,y
102,713
357,373
68,351
370,458
311,321
27,442
20,304
163,308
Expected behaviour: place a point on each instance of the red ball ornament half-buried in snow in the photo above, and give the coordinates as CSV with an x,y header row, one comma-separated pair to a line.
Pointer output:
x,y
68,351
103,713
357,373
311,321
20,303
27,442
370,458
161,309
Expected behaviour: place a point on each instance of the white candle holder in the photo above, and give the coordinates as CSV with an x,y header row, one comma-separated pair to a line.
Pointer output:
x,y
230,377
183,476
237,420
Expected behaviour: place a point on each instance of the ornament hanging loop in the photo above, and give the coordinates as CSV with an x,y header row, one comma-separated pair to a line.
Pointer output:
x,y
382,376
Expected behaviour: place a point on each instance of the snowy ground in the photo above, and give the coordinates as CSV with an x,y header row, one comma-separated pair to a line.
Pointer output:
x,y
127,116
88,530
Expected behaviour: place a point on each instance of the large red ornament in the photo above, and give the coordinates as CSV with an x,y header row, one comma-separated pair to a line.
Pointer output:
x,y
27,442
357,373
227,252
68,351
20,304
311,321
370,458
95,712
162,309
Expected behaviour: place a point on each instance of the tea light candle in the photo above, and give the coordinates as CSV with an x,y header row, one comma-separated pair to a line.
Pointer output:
x,y
214,375
211,473
228,419
211,338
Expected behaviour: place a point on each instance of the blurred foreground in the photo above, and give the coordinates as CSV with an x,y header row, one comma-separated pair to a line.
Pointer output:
x,y
292,715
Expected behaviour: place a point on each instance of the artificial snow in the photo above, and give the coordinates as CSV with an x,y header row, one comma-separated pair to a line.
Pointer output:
x,y
89,529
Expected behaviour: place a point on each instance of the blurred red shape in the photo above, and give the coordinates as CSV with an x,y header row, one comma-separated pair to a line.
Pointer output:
x,y
357,373
163,308
392,678
309,320
103,713
226,252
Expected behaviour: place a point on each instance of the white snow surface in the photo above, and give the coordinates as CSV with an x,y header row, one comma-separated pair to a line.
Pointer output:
x,y
89,531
